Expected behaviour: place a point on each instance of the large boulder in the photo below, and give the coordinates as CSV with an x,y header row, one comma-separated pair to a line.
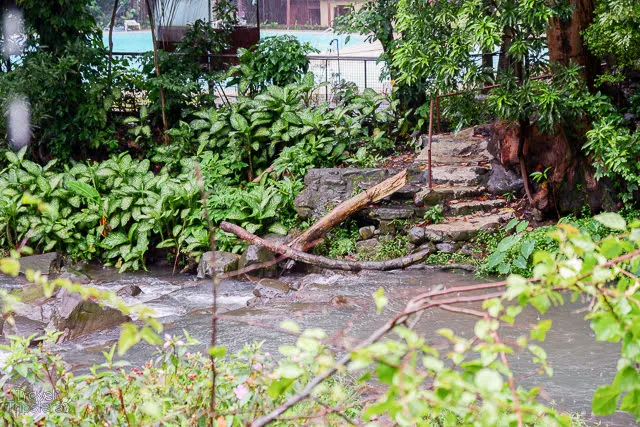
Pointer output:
x,y
324,189
45,263
256,254
65,312
76,317
503,181
220,262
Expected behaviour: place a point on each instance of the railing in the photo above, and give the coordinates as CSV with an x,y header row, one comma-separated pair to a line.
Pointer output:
x,y
364,71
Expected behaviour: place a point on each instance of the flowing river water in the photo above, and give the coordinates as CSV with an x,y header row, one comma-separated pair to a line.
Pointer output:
x,y
331,302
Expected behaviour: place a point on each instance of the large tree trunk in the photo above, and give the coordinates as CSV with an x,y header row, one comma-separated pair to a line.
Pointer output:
x,y
566,44
570,184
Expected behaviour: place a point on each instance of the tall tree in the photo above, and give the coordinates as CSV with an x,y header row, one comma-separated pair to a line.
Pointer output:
x,y
543,122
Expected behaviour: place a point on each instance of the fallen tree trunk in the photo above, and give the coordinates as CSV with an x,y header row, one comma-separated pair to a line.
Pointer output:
x,y
321,261
350,206
268,263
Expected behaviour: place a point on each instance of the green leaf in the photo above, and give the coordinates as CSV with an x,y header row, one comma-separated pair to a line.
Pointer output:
x,y
11,157
114,239
10,266
291,118
290,325
520,262
238,122
128,337
489,380
289,370
526,248
83,189
278,228
380,299
495,259
627,379
631,403
606,327
508,242
611,248
539,332
512,224
522,225
612,220
218,351
605,400
279,387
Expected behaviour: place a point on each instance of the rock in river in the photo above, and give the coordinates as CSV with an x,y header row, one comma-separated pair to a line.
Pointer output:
x,y
255,254
224,262
44,263
271,288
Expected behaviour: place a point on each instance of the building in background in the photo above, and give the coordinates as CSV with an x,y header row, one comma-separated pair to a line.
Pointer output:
x,y
172,17
304,12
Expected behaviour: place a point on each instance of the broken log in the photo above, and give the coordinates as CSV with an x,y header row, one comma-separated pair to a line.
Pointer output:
x,y
268,263
324,262
350,206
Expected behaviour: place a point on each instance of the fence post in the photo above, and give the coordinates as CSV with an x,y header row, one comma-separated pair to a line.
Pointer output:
x,y
365,73
326,78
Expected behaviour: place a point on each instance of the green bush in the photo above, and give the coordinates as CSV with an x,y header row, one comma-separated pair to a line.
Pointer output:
x,y
279,61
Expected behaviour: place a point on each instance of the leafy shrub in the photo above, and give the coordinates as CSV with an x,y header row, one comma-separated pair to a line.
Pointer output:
x,y
69,97
615,148
279,61
280,128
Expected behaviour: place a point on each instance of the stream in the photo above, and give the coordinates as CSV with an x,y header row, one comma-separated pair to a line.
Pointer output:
x,y
332,301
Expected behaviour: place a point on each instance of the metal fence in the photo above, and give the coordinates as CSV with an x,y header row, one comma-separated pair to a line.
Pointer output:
x,y
331,72
364,72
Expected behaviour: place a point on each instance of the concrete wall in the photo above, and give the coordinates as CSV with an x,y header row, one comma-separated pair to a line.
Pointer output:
x,y
328,9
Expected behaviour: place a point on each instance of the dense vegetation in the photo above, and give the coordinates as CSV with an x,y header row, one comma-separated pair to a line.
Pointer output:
x,y
120,155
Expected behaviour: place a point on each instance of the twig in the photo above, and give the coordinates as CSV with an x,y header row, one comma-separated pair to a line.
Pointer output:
x,y
462,310
216,281
512,385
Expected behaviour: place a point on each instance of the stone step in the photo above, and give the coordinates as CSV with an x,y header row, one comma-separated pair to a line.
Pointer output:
x,y
439,195
468,207
460,176
458,229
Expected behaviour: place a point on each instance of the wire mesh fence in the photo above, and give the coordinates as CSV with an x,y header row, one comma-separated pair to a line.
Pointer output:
x,y
331,73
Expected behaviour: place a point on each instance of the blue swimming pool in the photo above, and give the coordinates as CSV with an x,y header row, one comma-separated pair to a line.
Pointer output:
x,y
140,41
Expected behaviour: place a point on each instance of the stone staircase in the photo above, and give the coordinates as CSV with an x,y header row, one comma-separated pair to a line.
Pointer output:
x,y
462,178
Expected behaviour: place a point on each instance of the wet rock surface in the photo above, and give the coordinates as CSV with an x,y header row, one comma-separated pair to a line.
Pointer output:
x,y
45,263
76,317
224,262
271,288
502,181
255,254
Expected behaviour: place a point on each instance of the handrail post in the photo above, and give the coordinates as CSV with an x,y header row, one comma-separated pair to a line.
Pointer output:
x,y
429,144
438,114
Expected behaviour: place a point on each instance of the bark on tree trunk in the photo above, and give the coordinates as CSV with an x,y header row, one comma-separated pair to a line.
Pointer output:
x,y
566,44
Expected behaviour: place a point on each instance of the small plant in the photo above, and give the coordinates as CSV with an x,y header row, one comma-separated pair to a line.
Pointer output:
x,y
503,259
541,177
509,196
434,215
